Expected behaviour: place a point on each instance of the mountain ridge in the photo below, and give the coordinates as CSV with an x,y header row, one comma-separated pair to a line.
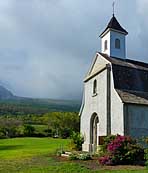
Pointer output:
x,y
11,104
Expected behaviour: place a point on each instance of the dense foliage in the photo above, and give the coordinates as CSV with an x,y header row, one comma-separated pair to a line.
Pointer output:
x,y
28,130
121,150
146,152
63,124
76,141
53,124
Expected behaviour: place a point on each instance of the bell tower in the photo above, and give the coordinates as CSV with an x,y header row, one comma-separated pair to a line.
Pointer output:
x,y
113,39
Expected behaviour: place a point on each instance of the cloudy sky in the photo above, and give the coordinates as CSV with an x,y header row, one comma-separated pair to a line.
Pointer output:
x,y
47,46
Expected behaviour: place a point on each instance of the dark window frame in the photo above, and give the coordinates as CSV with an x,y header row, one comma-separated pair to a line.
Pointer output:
x,y
105,45
117,43
95,87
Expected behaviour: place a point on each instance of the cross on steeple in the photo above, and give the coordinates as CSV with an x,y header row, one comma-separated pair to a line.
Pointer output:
x,y
113,7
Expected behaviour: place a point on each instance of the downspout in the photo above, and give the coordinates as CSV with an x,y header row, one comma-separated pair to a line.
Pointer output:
x,y
108,66
126,119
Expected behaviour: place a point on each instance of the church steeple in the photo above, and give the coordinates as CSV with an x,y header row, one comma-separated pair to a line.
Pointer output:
x,y
113,39
114,25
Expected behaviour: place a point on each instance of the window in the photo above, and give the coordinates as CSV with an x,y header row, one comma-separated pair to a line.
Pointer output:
x,y
95,87
105,45
117,43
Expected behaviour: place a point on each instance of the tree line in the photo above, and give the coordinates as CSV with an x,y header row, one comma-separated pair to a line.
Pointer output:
x,y
53,124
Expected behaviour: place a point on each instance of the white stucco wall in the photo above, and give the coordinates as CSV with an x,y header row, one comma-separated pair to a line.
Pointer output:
x,y
100,63
117,112
106,37
111,36
137,120
94,104
120,53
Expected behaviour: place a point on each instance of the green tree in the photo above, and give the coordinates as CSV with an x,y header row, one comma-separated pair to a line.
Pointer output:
x,y
9,126
29,130
64,123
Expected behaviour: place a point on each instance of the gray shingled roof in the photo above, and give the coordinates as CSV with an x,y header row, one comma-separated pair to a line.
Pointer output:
x,y
130,79
133,97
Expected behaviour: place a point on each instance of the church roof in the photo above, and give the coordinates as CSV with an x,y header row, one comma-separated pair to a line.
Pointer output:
x,y
130,79
133,97
114,24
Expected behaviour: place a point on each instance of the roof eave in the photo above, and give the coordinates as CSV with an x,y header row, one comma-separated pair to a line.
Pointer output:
x,y
143,102
110,29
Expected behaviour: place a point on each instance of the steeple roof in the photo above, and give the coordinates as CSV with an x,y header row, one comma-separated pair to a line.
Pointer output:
x,y
114,24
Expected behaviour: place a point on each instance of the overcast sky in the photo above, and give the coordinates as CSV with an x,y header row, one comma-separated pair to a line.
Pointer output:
x,y
47,46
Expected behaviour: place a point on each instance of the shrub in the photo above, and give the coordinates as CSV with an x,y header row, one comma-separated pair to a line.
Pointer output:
x,y
49,132
80,156
146,157
73,156
146,153
65,133
105,160
77,141
121,150
84,156
103,148
2,135
59,152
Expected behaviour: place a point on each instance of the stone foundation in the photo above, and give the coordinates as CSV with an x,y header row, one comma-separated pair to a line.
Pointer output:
x,y
86,147
89,148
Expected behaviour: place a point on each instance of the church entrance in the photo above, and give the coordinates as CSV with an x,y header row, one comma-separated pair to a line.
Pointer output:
x,y
94,132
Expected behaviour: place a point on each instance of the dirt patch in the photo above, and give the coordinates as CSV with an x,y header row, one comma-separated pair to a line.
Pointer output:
x,y
61,159
94,165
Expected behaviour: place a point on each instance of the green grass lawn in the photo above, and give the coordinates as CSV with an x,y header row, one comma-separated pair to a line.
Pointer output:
x,y
21,148
34,155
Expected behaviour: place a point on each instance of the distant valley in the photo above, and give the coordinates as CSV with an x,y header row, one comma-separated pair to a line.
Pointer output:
x,y
15,105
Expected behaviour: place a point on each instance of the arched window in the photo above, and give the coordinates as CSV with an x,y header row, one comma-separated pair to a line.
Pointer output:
x,y
105,45
95,87
117,43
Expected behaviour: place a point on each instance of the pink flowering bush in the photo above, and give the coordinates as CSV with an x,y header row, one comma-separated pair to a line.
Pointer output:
x,y
120,150
105,160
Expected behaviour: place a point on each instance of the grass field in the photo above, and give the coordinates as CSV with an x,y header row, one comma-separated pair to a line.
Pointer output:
x,y
35,155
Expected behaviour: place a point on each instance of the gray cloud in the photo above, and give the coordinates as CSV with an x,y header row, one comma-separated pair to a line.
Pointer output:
x,y
47,46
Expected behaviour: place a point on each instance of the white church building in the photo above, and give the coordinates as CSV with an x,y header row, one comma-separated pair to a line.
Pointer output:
x,y
115,99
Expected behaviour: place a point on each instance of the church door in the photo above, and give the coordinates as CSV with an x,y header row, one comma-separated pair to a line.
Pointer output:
x,y
93,132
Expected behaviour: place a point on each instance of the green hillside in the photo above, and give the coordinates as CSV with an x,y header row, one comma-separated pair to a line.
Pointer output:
x,y
15,105
23,106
